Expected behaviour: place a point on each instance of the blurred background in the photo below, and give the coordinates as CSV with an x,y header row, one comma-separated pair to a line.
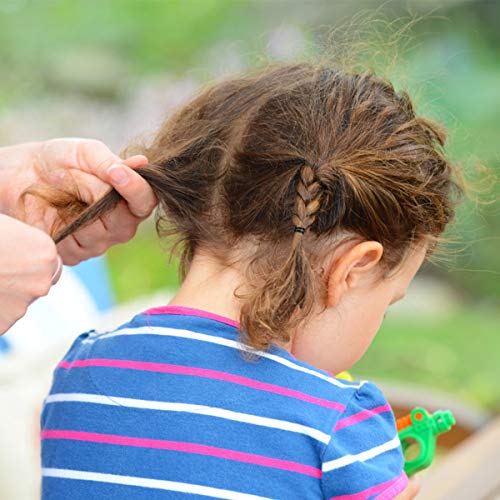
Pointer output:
x,y
114,69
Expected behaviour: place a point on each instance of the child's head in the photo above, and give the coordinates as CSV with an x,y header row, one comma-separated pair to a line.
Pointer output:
x,y
323,185
357,297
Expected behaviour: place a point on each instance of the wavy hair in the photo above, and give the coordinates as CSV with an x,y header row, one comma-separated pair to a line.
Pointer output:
x,y
289,158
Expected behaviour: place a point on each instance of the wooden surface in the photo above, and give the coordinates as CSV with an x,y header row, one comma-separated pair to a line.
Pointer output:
x,y
471,471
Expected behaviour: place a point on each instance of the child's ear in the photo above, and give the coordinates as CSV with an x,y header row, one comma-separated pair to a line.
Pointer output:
x,y
351,268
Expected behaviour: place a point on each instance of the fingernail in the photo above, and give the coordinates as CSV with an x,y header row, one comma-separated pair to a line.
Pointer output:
x,y
118,175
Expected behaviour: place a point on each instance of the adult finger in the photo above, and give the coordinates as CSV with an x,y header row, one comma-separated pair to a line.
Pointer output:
x,y
121,225
88,155
94,238
134,189
72,252
87,187
118,226
136,161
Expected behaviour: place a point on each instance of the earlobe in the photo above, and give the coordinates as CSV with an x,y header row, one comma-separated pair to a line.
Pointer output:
x,y
350,269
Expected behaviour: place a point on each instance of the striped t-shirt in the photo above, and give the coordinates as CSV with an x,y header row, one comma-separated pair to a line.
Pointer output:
x,y
170,406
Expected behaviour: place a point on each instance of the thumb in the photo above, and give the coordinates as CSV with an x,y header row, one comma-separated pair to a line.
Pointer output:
x,y
414,485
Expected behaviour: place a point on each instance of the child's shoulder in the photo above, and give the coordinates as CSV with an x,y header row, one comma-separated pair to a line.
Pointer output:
x,y
216,344
207,350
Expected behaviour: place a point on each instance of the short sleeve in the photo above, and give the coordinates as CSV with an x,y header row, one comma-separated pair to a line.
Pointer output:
x,y
364,460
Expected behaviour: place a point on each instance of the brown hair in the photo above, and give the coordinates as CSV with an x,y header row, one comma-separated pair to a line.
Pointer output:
x,y
287,160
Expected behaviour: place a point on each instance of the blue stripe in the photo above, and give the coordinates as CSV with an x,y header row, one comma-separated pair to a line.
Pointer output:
x,y
174,466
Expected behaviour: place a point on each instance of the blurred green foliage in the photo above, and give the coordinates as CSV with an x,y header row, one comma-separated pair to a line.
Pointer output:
x,y
141,266
146,35
456,352
459,87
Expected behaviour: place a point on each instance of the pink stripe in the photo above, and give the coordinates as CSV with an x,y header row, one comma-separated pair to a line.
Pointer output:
x,y
202,372
199,449
190,311
394,486
362,415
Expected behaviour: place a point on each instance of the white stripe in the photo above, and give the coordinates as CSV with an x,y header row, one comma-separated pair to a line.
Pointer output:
x,y
145,482
361,457
174,332
190,408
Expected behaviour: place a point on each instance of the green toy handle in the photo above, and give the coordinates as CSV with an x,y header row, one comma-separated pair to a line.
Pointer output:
x,y
420,429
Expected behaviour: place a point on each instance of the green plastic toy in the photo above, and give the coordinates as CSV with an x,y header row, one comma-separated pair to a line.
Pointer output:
x,y
421,429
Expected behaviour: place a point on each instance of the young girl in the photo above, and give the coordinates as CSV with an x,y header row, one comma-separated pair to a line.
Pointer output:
x,y
305,199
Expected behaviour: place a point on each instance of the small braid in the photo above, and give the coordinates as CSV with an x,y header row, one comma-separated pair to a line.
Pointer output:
x,y
288,292
307,201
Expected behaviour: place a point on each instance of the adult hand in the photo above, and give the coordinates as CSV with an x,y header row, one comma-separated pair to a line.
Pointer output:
x,y
91,167
29,266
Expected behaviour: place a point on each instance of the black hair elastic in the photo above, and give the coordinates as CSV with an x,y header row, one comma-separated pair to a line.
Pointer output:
x,y
299,229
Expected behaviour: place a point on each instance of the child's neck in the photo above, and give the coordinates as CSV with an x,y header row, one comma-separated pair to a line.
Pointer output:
x,y
209,286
